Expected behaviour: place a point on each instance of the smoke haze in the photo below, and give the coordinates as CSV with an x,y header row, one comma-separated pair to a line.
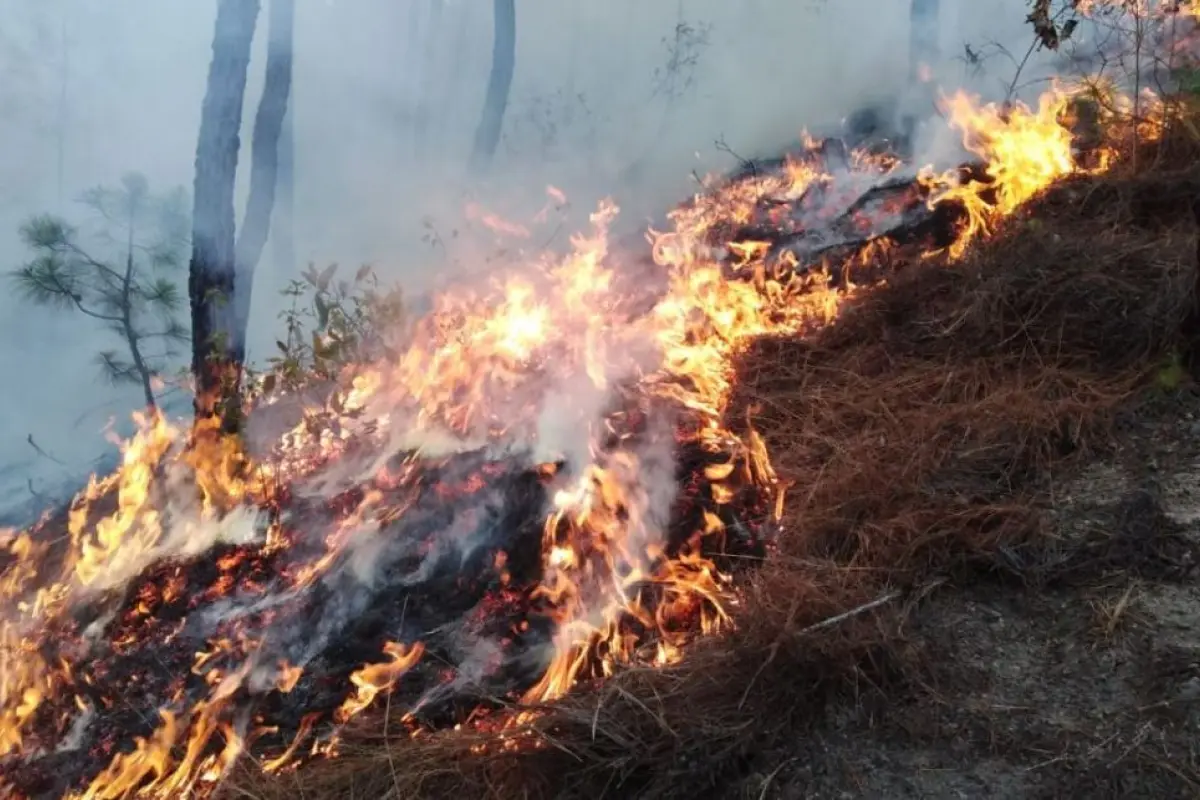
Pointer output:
x,y
94,89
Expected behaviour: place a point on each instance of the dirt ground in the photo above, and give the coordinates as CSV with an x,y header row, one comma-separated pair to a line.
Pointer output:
x,y
1084,686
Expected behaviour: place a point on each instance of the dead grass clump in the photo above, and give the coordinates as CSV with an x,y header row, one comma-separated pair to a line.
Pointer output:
x,y
920,428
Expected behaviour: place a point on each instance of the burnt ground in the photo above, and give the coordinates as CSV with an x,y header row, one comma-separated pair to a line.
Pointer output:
x,y
1083,687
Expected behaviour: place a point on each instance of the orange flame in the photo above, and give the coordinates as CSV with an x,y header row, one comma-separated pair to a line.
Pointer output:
x,y
1024,150
375,678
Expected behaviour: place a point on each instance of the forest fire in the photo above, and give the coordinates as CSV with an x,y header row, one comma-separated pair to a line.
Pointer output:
x,y
542,484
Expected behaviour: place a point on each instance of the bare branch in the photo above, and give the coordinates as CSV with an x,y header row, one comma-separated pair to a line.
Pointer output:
x,y
40,451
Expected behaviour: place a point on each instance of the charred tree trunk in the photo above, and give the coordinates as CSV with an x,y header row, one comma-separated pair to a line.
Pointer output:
x,y
264,160
217,354
504,56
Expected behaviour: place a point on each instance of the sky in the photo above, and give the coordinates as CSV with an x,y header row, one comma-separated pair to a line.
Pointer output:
x,y
92,89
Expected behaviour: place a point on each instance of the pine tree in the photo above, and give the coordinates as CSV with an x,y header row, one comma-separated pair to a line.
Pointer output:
x,y
125,276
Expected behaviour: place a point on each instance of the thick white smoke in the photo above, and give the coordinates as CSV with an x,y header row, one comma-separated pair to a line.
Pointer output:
x,y
92,91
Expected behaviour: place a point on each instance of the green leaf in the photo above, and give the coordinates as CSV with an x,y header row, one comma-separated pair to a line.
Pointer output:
x,y
1171,373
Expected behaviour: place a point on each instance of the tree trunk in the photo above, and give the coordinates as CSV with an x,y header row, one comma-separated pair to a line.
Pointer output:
x,y
216,353
264,160
283,229
127,326
504,56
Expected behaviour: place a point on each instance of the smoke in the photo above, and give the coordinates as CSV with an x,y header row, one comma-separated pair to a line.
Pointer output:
x,y
91,93
180,531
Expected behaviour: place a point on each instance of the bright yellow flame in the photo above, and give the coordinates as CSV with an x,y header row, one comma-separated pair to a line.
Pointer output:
x,y
1024,151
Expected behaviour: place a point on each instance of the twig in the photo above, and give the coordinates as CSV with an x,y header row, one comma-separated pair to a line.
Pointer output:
x,y
854,612
1012,87
42,452
762,795
723,147
825,623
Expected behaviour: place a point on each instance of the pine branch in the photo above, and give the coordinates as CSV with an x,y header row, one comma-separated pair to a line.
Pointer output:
x,y
161,293
47,282
99,266
177,333
116,371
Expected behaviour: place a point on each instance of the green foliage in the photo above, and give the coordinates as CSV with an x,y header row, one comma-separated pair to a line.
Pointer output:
x,y
331,324
1187,80
1171,373
121,271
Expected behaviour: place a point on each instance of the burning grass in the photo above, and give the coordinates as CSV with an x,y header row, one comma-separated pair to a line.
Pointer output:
x,y
505,536
921,434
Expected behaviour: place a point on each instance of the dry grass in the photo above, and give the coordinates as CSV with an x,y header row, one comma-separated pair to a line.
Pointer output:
x,y
922,432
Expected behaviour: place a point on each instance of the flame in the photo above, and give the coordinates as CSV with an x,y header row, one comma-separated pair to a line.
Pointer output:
x,y
557,361
1024,150
375,678
496,223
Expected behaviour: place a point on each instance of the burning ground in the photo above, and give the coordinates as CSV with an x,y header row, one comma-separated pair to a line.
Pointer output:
x,y
598,526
